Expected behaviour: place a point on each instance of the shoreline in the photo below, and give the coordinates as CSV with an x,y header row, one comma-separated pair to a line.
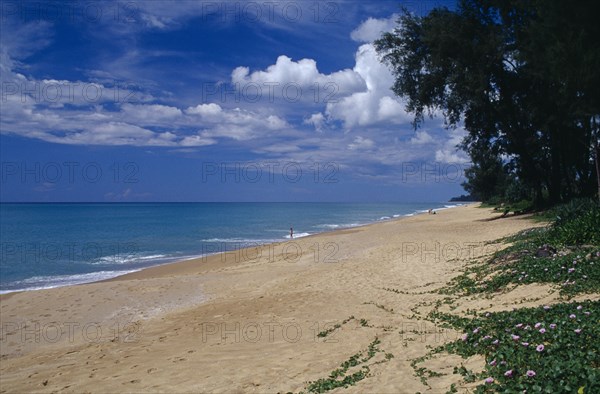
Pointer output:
x,y
248,321
8,293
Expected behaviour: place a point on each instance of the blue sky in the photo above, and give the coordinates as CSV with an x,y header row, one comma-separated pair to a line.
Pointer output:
x,y
211,101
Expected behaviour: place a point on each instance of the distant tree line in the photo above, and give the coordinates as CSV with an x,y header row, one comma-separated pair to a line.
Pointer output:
x,y
522,77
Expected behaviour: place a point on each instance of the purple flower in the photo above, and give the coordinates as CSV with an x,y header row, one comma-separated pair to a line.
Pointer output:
x,y
540,348
503,362
537,325
572,316
577,330
489,380
579,307
508,373
525,344
586,313
493,362
475,331
486,337
571,270
464,337
519,325
531,373
542,330
553,326
495,342
546,307
515,337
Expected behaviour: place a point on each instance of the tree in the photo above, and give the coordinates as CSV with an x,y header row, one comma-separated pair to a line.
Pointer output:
x,y
522,76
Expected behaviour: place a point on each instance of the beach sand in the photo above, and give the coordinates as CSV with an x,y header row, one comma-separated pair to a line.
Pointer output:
x,y
247,321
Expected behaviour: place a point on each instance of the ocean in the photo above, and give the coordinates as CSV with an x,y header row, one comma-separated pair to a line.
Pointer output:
x,y
52,245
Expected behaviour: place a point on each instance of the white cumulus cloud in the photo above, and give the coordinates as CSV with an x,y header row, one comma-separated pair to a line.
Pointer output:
x,y
372,28
377,103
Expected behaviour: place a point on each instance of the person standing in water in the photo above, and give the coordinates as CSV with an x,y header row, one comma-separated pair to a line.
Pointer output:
x,y
291,232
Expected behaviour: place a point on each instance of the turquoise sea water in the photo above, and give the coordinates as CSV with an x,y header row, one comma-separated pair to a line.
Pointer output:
x,y
50,245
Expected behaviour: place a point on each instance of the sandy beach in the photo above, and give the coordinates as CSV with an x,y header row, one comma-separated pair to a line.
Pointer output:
x,y
249,320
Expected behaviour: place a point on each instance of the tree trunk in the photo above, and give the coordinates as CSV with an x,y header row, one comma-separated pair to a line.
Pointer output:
x,y
554,188
597,160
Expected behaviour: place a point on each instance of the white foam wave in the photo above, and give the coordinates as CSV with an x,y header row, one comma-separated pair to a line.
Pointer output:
x,y
332,226
53,281
128,258
239,240
298,235
338,226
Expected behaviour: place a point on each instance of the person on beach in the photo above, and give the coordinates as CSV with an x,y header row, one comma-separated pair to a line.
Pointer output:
x,y
291,232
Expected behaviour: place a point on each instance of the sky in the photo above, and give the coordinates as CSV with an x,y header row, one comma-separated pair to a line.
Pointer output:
x,y
134,101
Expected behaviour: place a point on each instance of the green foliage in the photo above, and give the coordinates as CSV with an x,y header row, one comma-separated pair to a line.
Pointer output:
x,y
559,343
571,210
340,377
573,272
577,228
566,254
328,331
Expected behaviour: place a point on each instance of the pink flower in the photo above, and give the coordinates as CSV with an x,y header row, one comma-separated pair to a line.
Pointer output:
x,y
525,344
542,330
578,330
515,337
531,373
489,380
493,362
586,313
546,307
495,342
553,326
572,316
537,325
540,348
464,337
519,325
508,373
475,331
579,307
